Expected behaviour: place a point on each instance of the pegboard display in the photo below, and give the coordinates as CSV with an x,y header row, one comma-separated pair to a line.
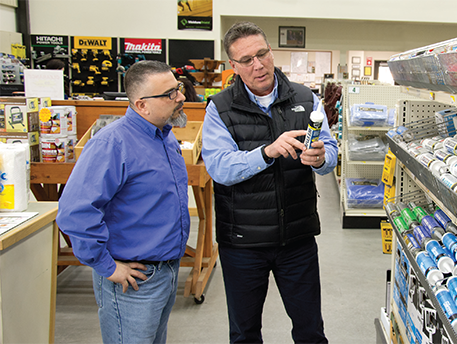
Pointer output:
x,y
360,94
411,110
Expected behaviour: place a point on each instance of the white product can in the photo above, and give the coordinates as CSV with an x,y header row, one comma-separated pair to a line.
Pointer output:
x,y
426,159
438,168
441,154
429,144
449,180
451,145
453,169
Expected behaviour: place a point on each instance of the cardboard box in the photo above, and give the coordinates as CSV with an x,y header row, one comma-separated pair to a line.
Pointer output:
x,y
32,138
17,119
58,120
388,170
191,133
386,233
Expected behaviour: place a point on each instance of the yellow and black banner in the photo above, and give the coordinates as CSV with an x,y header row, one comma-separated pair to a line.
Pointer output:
x,y
195,15
82,42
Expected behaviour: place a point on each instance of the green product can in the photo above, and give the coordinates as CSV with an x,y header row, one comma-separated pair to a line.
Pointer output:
x,y
400,224
420,213
409,217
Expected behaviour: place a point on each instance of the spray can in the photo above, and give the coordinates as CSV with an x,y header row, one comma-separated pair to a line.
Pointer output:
x,y
400,224
428,267
430,144
314,127
442,154
392,209
452,287
451,145
417,210
449,180
432,227
421,235
447,304
407,214
439,255
438,168
426,159
450,242
445,221
411,242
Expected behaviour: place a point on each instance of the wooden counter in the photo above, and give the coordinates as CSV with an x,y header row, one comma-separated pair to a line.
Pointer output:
x,y
28,257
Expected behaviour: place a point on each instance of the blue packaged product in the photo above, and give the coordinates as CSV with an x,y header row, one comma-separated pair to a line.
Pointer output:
x,y
448,305
411,241
368,115
429,223
439,255
441,217
421,235
450,242
401,129
452,287
428,268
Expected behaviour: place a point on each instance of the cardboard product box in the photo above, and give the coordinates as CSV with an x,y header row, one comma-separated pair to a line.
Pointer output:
x,y
19,120
388,171
446,121
32,138
58,120
190,135
386,234
57,148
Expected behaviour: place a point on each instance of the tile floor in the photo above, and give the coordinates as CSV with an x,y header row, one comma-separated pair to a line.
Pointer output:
x,y
353,270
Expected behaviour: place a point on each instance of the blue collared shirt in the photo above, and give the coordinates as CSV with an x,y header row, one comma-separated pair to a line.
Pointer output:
x,y
228,165
126,198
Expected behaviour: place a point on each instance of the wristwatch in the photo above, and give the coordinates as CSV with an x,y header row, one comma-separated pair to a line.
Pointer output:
x,y
265,157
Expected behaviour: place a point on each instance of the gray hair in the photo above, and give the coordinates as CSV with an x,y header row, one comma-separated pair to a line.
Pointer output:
x,y
241,30
136,76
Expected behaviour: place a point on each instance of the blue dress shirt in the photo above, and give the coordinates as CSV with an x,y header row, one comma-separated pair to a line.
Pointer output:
x,y
227,165
126,198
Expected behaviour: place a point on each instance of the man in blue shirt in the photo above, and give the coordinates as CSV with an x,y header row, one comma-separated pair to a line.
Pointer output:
x,y
125,208
265,195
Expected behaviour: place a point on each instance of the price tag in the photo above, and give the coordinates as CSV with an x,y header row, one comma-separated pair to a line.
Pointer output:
x,y
432,96
354,90
452,99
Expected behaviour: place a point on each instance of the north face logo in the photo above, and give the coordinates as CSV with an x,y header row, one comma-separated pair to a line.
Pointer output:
x,y
298,108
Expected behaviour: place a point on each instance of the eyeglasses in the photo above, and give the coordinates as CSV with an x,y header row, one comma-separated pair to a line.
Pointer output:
x,y
171,94
249,60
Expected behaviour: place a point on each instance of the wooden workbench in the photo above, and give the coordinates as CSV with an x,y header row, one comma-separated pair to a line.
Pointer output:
x,y
48,180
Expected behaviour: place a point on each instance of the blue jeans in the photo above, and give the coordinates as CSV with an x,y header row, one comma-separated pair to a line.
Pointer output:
x,y
296,271
137,316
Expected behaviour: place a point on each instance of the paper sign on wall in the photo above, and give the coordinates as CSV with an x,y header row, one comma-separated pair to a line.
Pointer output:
x,y
44,83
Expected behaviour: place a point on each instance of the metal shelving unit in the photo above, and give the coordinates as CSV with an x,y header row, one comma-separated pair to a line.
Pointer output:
x,y
359,94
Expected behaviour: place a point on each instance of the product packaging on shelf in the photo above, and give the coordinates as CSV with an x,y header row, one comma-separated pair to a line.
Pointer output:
x,y
368,115
14,181
57,148
58,120
364,193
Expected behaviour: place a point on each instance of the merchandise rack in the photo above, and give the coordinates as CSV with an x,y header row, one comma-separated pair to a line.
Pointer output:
x,y
359,94
431,295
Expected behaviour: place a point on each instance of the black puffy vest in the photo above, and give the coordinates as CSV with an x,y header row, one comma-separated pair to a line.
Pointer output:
x,y
277,206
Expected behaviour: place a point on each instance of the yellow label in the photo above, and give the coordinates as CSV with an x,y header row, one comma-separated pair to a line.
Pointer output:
x,y
7,197
45,115
45,102
81,42
32,104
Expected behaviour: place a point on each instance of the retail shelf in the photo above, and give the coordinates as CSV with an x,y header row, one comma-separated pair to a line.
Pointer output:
x,y
438,96
424,283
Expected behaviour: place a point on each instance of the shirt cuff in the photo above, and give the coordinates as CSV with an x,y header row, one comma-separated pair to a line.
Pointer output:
x,y
322,167
256,161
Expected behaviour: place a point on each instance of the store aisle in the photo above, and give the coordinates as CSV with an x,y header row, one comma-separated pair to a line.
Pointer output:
x,y
353,270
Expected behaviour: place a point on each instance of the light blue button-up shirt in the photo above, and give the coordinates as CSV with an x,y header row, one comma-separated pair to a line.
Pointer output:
x,y
227,165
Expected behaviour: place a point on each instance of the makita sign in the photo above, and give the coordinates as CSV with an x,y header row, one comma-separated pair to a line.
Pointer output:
x,y
143,46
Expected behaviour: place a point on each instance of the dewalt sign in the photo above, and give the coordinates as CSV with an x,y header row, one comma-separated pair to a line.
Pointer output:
x,y
92,43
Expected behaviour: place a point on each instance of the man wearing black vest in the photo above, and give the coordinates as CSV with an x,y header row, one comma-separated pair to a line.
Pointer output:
x,y
265,195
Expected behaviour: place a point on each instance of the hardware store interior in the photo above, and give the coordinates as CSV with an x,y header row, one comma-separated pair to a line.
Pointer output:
x,y
387,78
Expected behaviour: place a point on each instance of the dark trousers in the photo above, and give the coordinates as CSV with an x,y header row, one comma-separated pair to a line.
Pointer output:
x,y
296,272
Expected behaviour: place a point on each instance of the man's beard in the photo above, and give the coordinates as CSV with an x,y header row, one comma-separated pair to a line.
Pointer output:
x,y
179,121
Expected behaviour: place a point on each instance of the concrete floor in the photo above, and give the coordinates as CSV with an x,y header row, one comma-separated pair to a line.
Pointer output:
x,y
353,270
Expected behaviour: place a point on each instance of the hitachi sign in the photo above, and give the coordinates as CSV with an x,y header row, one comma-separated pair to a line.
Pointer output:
x,y
144,47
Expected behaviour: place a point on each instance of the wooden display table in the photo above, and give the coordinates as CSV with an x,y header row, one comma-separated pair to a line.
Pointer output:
x,y
47,181
28,256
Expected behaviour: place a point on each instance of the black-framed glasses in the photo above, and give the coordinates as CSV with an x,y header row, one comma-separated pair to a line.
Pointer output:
x,y
171,94
249,60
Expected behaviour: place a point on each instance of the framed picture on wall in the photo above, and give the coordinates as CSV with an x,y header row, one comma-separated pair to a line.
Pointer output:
x,y
367,71
356,60
291,37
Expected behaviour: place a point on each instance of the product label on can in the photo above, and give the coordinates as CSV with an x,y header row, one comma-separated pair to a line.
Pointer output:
x,y
312,135
451,145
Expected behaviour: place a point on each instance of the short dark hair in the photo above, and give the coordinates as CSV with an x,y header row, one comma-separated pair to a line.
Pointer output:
x,y
136,75
55,64
241,30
